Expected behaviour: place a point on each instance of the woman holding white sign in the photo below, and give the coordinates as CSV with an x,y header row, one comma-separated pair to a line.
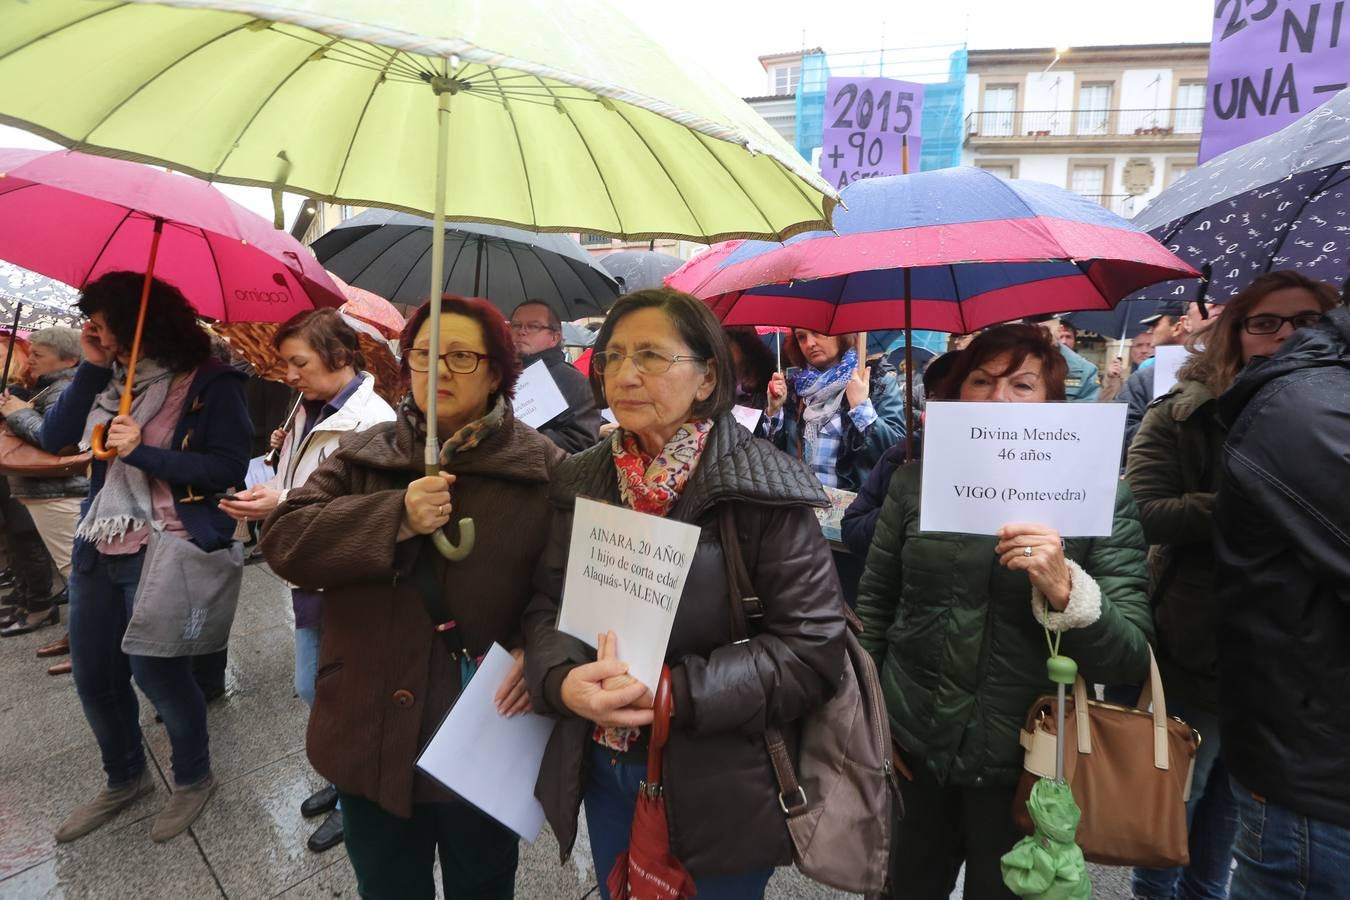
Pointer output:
x,y
1174,467
955,623
402,626
663,365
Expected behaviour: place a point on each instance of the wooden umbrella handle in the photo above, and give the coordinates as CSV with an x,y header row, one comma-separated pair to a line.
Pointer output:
x,y
124,405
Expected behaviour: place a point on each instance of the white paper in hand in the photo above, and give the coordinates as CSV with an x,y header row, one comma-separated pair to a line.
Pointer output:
x,y
538,400
748,416
488,759
625,573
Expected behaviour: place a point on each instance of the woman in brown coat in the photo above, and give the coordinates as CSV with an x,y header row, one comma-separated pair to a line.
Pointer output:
x,y
663,365
386,676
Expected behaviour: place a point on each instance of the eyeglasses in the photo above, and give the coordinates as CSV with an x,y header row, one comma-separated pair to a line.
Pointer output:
x,y
460,362
647,362
1270,323
530,327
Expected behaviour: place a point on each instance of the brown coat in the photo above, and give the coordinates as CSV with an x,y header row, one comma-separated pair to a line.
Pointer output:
x,y
385,678
721,796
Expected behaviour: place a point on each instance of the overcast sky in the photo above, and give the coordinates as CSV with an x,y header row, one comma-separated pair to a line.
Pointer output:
x,y
726,37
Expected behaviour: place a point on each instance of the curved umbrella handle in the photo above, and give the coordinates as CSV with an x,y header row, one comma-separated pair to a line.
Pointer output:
x,y
453,552
96,444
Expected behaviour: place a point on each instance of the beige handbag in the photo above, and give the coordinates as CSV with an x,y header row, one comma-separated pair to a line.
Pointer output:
x,y
1130,771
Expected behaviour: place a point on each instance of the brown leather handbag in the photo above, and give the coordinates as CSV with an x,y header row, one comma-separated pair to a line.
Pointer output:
x,y
1130,771
18,457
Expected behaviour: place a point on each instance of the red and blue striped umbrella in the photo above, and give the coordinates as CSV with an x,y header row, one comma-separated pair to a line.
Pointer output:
x,y
975,249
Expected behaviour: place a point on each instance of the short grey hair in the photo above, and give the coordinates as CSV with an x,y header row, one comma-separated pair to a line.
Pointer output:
x,y
64,342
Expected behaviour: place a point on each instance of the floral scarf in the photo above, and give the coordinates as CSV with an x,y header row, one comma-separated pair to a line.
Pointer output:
x,y
652,485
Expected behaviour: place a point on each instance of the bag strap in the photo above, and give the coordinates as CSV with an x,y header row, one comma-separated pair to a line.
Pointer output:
x,y
1152,694
791,795
433,600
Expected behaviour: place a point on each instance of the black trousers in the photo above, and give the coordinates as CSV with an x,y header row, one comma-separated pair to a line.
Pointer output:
x,y
944,827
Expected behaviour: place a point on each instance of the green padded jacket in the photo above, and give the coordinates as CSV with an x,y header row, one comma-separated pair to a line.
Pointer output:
x,y
962,657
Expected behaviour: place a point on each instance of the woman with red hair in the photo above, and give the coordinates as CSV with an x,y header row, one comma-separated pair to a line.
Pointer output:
x,y
402,627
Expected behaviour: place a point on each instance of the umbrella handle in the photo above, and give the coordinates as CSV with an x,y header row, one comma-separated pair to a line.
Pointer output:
x,y
453,552
124,405
660,726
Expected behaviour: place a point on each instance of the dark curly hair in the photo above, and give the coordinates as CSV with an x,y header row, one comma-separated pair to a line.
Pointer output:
x,y
171,337
501,350
758,358
331,337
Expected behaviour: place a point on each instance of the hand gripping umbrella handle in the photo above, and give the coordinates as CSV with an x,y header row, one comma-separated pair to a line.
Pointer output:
x,y
124,405
466,535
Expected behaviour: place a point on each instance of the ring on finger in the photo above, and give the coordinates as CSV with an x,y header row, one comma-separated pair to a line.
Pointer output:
x,y
1028,552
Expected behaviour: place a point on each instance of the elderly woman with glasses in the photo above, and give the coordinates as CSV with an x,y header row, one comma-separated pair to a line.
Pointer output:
x,y
401,626
662,363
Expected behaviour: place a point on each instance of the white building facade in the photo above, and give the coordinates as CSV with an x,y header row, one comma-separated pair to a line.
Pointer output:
x,y
1117,124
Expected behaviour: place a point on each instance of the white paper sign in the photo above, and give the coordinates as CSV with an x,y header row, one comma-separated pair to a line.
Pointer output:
x,y
607,414
988,464
538,400
1167,361
625,573
748,416
488,759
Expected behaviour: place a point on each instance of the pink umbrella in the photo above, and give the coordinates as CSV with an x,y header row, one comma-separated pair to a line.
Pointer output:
x,y
74,217
370,308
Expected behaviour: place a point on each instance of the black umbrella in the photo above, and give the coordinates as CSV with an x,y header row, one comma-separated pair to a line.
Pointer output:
x,y
1280,202
44,301
389,253
638,270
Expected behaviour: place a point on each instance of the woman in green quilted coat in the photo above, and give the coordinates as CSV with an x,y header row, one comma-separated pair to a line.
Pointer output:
x,y
955,623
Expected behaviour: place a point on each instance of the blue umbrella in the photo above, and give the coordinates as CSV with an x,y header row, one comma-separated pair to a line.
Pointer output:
x,y
1281,202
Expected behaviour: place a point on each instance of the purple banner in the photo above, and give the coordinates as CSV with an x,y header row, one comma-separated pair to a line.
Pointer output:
x,y
1269,64
865,121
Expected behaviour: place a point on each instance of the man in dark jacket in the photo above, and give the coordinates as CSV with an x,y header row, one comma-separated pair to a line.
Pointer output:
x,y
1283,584
537,332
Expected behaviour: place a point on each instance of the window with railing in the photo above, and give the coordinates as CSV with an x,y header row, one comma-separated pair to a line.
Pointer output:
x,y
1094,122
1000,110
1094,108
1190,107
591,240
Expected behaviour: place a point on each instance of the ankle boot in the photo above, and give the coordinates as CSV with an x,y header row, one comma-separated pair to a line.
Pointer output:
x,y
109,802
182,809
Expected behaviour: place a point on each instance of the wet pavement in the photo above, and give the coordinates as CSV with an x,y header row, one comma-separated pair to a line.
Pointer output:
x,y
250,840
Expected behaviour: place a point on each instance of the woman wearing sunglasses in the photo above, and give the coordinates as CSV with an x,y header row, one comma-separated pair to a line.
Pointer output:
x,y
401,626
1173,468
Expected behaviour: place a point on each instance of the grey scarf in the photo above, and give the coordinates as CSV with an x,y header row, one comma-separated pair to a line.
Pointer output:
x,y
123,503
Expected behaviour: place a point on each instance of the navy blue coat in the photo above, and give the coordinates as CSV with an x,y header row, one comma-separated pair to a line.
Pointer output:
x,y
212,438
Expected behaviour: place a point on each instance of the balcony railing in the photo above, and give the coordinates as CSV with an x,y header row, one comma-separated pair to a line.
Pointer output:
x,y
1122,205
1084,123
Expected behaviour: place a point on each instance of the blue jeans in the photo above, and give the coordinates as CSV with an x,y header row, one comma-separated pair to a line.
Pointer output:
x,y
307,665
611,797
1283,855
101,596
1211,818
306,662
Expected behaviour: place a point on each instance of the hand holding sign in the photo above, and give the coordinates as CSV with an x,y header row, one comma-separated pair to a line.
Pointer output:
x,y
1038,551
584,691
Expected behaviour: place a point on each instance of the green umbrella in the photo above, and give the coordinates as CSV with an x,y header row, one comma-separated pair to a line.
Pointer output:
x,y
1048,865
547,116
